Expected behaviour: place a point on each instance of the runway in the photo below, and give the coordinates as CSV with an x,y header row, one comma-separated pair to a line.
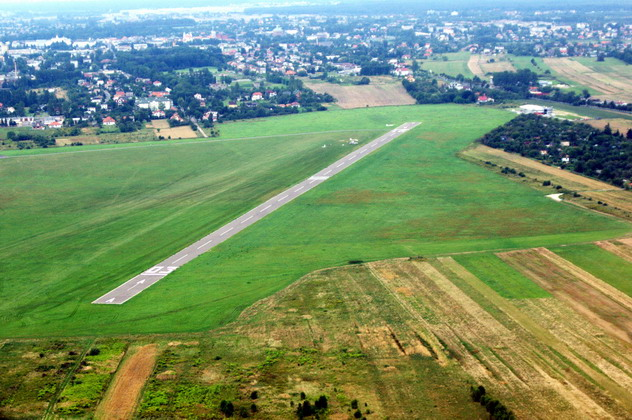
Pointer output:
x,y
136,285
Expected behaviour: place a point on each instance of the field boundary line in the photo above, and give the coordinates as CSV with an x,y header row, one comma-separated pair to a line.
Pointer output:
x,y
183,143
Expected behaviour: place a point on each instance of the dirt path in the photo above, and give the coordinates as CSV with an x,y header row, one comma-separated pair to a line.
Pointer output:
x,y
589,183
121,397
479,65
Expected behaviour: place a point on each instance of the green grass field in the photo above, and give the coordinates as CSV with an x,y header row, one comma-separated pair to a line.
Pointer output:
x,y
600,263
547,73
456,64
524,62
76,225
506,281
614,66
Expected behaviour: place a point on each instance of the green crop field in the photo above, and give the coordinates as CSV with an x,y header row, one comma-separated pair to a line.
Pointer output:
x,y
610,65
521,62
505,280
76,225
600,263
455,64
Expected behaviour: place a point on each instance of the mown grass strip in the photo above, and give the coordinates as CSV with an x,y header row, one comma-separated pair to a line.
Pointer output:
x,y
505,280
600,263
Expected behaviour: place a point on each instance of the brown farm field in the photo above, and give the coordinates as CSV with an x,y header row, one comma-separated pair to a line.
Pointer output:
x,y
612,85
479,65
383,91
620,124
161,128
406,338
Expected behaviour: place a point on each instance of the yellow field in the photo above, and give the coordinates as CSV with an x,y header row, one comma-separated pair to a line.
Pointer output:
x,y
480,65
567,178
620,124
383,91
614,85
161,128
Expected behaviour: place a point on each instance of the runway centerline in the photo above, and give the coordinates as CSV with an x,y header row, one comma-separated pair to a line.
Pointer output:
x,y
147,278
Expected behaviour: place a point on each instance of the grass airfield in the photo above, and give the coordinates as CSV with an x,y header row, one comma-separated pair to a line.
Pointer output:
x,y
76,225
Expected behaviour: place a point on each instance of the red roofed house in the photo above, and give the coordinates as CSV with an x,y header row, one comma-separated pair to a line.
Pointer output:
x,y
109,121
159,113
55,124
484,99
257,96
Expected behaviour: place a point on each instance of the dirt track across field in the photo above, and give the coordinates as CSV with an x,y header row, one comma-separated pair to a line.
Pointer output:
x,y
588,183
122,395
480,65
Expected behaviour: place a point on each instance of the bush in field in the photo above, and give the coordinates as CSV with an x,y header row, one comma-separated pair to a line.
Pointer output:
x,y
495,408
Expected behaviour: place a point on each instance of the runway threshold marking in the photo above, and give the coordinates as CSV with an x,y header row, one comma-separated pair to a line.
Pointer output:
x,y
151,276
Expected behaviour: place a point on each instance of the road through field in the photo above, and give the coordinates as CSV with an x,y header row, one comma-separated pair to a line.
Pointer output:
x,y
137,284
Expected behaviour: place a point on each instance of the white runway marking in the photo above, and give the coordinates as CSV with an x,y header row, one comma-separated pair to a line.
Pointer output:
x,y
204,244
181,258
134,286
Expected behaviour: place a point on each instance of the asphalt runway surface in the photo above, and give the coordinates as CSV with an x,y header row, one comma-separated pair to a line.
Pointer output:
x,y
134,286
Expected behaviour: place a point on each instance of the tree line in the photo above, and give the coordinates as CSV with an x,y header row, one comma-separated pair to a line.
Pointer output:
x,y
601,154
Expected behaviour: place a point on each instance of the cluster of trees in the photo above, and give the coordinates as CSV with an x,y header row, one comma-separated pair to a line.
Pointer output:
x,y
517,82
375,68
605,155
427,91
150,63
306,409
26,139
22,99
495,408
625,55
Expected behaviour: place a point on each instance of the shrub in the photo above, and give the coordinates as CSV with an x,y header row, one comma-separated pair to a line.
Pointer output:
x,y
321,403
227,408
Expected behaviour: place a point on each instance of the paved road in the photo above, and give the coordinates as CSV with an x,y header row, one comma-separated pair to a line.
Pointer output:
x,y
132,287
